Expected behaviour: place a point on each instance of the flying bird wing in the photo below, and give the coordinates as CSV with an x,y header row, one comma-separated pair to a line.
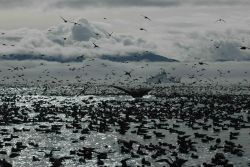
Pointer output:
x,y
63,19
146,17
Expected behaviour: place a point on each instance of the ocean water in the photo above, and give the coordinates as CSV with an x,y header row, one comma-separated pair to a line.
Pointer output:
x,y
146,112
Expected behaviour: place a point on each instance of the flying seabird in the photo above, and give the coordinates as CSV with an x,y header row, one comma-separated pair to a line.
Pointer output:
x,y
128,73
97,34
146,17
202,63
217,45
65,21
75,23
143,29
110,34
244,48
221,20
95,46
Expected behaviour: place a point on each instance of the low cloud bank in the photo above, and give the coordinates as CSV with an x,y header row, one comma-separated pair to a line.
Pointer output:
x,y
69,42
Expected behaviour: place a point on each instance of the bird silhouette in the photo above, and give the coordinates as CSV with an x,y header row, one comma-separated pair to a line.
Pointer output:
x,y
95,46
75,23
128,73
65,21
110,34
146,17
221,20
244,48
143,29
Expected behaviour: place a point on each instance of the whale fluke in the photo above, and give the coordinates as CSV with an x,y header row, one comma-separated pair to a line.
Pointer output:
x,y
140,92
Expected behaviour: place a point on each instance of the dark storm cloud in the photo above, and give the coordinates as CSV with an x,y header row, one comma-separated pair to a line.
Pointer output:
x,y
114,3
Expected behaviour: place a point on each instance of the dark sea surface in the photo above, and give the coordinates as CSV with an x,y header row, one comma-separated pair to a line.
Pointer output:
x,y
100,127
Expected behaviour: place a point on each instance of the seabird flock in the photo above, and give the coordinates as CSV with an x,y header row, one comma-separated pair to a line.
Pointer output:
x,y
200,72
97,34
175,129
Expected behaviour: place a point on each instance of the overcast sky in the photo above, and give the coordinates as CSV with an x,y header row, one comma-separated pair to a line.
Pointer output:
x,y
36,13
180,29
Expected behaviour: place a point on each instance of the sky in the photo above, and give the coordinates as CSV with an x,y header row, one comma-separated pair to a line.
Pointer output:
x,y
184,30
179,29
